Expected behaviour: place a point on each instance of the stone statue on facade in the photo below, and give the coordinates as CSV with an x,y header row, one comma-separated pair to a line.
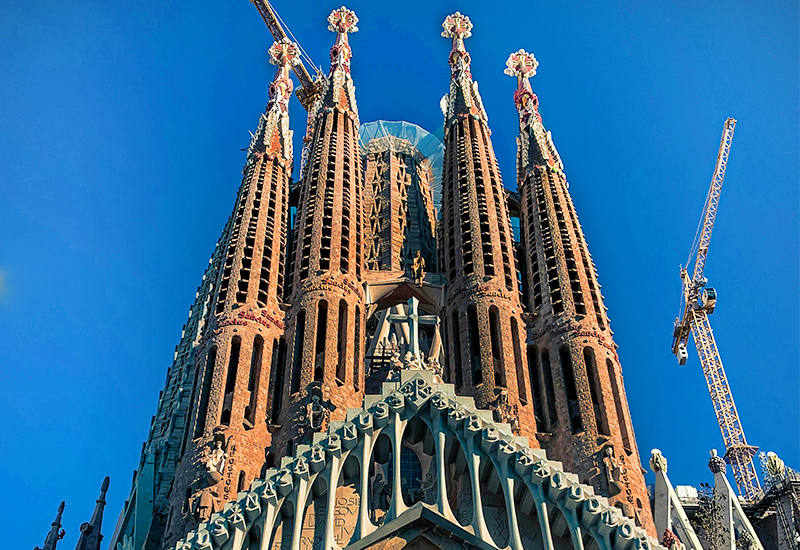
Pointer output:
x,y
613,470
426,491
379,495
215,463
316,414
205,503
507,412
418,268
658,463
395,365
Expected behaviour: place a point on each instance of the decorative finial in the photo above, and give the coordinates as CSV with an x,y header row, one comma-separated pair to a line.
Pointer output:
x,y
342,21
716,463
521,64
284,53
658,463
104,487
457,26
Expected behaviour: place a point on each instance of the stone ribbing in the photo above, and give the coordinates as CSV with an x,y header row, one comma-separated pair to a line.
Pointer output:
x,y
581,407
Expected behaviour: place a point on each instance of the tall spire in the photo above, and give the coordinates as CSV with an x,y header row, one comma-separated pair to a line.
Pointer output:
x,y
463,98
90,532
273,136
339,88
56,532
579,398
536,146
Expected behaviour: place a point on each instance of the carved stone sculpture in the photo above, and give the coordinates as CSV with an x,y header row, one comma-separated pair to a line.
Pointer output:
x,y
657,461
418,268
205,503
379,495
215,464
612,469
316,414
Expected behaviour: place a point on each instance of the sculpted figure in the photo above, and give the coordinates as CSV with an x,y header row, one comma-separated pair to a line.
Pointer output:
x,y
316,414
427,489
612,469
204,504
418,268
215,464
379,495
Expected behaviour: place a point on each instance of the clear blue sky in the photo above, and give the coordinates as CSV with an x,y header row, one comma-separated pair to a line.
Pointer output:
x,y
121,129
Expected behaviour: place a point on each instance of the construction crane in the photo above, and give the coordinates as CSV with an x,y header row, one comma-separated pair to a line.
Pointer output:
x,y
697,303
310,88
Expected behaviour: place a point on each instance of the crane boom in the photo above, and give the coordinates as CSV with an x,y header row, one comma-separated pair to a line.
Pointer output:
x,y
309,90
698,303
712,201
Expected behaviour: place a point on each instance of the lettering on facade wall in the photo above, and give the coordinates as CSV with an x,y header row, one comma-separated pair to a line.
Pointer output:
x,y
229,471
265,319
573,330
345,514
329,283
482,290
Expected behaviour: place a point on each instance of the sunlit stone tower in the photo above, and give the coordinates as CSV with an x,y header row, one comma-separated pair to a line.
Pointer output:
x,y
581,408
327,302
244,337
486,336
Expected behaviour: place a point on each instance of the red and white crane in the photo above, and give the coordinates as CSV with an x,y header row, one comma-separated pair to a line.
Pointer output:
x,y
698,302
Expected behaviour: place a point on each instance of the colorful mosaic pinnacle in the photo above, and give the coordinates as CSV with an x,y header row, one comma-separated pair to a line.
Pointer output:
x,y
342,21
284,53
521,64
457,26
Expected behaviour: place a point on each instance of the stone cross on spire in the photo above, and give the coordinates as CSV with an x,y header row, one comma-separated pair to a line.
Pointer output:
x,y
342,21
523,65
413,320
284,54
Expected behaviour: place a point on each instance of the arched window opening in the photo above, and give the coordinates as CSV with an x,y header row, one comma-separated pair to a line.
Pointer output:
x,y
225,417
290,448
254,382
621,418
458,375
523,392
535,375
573,406
357,350
474,345
277,380
233,364
547,373
319,350
341,343
497,354
241,482
297,358
208,376
596,391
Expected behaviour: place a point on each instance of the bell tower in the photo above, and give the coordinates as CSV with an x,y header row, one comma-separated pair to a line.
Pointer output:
x,y
581,409
224,445
485,333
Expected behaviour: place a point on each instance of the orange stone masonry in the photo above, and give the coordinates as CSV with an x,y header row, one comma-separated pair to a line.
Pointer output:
x,y
581,409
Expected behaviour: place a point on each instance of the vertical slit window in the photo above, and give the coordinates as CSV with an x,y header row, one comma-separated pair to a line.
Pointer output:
x,y
341,343
208,376
357,350
319,349
621,417
255,377
459,377
277,389
523,394
474,345
573,406
297,357
233,364
497,351
595,390
535,374
547,374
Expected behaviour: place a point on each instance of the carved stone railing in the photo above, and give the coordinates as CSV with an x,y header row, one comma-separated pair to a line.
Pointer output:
x,y
482,484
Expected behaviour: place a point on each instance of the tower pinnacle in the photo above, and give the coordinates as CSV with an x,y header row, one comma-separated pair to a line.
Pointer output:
x,y
342,21
463,98
284,54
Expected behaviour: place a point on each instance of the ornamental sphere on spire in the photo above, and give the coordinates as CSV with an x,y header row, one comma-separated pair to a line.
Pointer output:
x,y
457,26
284,51
342,21
521,64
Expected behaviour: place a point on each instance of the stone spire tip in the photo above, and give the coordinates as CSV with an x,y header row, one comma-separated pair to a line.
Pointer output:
x,y
284,52
521,64
457,26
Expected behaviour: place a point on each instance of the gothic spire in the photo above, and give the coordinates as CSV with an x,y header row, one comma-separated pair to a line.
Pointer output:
x,y
463,98
56,532
90,532
339,89
539,151
273,136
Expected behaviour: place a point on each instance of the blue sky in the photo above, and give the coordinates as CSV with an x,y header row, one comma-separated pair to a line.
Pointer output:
x,y
121,129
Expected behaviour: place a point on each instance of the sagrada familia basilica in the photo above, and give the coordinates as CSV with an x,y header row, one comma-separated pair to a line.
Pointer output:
x,y
397,351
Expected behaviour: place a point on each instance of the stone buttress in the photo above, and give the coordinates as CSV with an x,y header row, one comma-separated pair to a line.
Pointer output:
x,y
230,395
484,330
581,409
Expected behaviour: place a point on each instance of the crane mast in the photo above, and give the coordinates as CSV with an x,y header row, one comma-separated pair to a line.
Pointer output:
x,y
698,303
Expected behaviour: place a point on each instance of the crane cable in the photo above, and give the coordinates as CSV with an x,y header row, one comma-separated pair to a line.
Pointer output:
x,y
296,41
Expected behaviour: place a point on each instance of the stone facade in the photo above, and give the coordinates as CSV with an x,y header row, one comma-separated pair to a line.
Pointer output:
x,y
289,319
